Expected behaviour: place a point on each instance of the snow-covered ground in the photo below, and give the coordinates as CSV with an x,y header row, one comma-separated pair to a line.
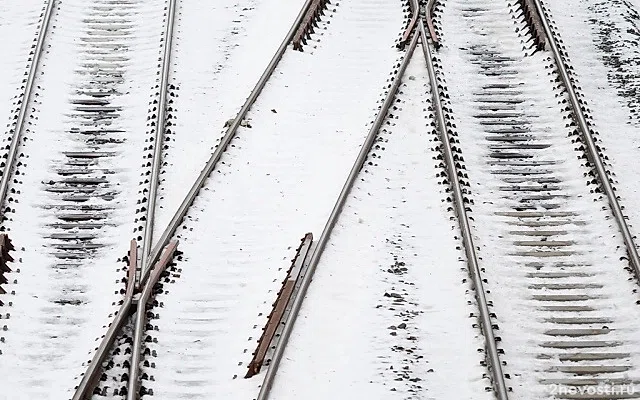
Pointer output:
x,y
388,312
210,81
19,27
279,180
64,298
547,242
386,316
601,39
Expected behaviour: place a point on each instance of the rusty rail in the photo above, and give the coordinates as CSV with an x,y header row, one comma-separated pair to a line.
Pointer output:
x,y
407,33
141,319
333,219
133,263
431,27
5,247
279,306
532,18
310,20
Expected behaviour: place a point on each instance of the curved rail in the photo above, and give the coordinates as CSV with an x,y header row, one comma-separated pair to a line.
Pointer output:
x,y
603,177
141,319
226,139
432,29
465,229
90,377
410,28
331,222
26,100
160,130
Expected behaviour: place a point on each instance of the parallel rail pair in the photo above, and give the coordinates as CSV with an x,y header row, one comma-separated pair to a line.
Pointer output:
x,y
144,282
541,31
85,388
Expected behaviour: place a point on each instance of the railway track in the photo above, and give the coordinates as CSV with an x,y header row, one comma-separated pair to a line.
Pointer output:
x,y
505,137
68,193
275,188
15,53
545,221
379,342
140,280
23,104
151,267
605,70
501,100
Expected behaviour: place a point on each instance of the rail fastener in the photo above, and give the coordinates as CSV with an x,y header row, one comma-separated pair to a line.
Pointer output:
x,y
280,305
5,247
491,347
311,17
532,18
84,390
25,104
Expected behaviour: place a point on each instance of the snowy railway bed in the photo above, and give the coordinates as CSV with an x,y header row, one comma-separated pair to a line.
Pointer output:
x,y
367,325
481,236
563,302
132,390
22,103
72,195
270,201
142,275
603,60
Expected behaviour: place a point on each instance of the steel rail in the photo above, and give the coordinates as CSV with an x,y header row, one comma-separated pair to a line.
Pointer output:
x,y
312,14
91,375
429,18
331,222
141,319
465,228
226,139
412,24
603,177
24,105
280,306
160,131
